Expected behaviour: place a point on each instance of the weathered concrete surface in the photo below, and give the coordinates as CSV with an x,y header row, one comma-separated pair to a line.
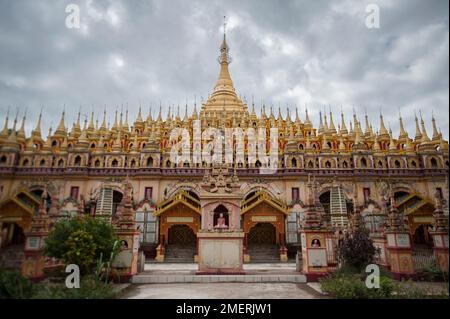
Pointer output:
x,y
222,291
192,267
145,278
186,273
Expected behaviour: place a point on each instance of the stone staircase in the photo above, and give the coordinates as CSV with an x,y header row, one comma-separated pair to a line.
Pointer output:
x,y
166,273
11,257
176,253
264,253
105,204
338,207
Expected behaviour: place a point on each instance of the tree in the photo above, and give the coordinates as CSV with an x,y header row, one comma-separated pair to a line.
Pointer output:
x,y
357,250
80,241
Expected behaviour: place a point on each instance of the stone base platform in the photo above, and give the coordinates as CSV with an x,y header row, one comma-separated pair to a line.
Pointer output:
x,y
159,279
186,273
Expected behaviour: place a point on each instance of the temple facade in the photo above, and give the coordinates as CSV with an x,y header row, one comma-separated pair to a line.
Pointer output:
x,y
355,166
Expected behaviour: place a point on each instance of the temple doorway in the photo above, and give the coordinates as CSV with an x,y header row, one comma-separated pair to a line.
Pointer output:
x,y
182,244
12,242
262,244
12,234
181,235
262,234
422,236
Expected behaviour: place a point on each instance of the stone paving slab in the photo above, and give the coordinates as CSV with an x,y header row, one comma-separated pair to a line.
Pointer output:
x,y
184,267
185,273
222,291
170,278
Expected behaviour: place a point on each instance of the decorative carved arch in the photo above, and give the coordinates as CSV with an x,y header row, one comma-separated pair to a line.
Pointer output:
x,y
115,186
186,186
248,188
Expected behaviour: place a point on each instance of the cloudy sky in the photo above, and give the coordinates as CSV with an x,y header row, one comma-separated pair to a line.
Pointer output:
x,y
287,53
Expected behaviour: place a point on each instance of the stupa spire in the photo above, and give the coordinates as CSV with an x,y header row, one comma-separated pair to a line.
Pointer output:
x,y
332,127
224,84
37,130
5,131
61,129
436,136
103,126
425,137
139,117
403,133
343,127
383,130
21,133
418,135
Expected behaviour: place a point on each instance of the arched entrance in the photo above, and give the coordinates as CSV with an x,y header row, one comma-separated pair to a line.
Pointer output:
x,y
182,244
262,243
181,235
263,220
262,234
422,237
12,234
12,242
179,220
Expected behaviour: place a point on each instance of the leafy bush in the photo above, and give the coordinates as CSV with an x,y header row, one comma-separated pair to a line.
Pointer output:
x,y
410,290
14,286
352,286
344,286
81,250
357,251
432,273
90,288
104,268
80,241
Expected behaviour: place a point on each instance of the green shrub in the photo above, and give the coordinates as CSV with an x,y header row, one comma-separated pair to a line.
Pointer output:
x,y
14,286
411,290
432,273
89,289
81,250
357,251
80,241
352,286
344,286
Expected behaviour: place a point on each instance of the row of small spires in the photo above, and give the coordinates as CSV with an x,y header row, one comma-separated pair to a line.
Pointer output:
x,y
325,127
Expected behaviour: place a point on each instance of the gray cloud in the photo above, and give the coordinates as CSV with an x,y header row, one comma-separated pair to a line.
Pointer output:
x,y
284,53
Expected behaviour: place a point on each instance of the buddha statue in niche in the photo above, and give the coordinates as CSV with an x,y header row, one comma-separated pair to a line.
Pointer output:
x,y
221,218
221,222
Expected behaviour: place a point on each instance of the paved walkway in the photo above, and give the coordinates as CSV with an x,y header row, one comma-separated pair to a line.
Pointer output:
x,y
222,291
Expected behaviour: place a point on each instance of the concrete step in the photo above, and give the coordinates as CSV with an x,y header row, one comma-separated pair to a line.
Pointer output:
x,y
144,278
264,254
179,254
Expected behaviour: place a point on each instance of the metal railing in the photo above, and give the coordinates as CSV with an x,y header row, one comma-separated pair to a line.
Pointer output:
x,y
423,258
